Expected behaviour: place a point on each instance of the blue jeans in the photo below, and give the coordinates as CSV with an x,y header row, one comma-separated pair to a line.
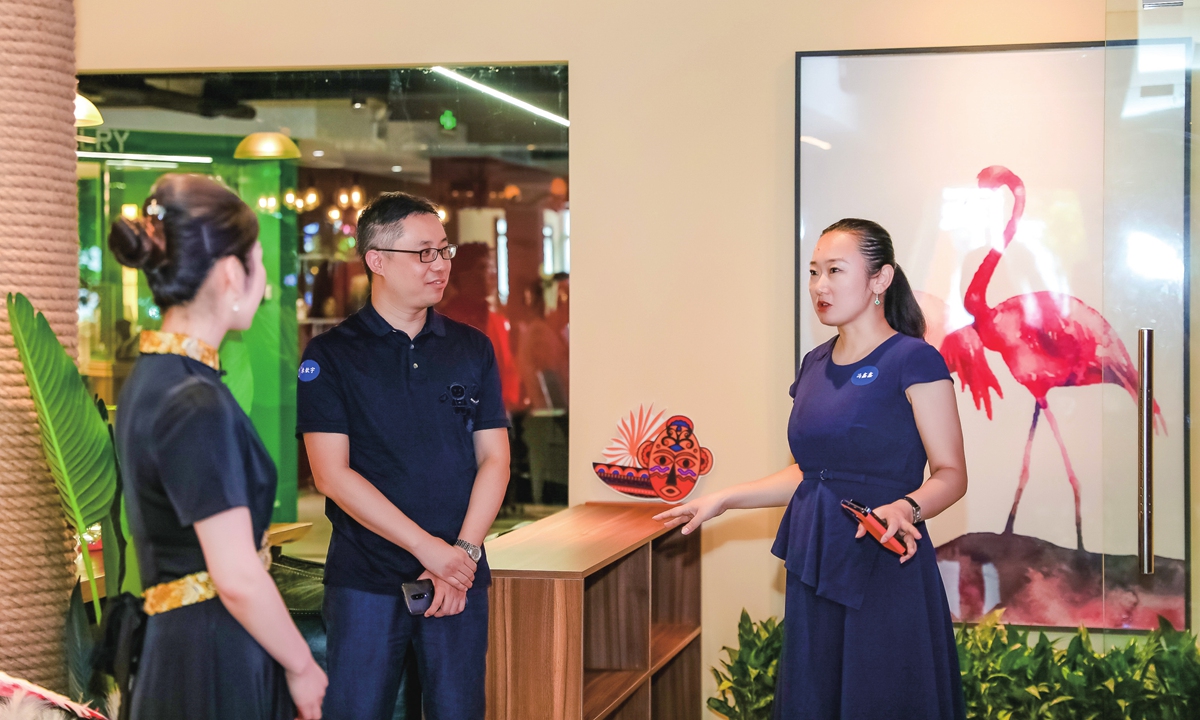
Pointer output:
x,y
368,636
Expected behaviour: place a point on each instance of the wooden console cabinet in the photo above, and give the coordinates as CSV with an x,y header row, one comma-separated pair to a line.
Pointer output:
x,y
595,613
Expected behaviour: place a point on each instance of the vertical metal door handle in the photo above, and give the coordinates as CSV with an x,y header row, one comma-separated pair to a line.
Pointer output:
x,y
1146,450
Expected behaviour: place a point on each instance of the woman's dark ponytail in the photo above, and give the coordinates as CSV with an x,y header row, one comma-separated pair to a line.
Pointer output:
x,y
189,223
900,307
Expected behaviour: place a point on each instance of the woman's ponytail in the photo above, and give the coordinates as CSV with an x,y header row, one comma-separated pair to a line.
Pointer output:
x,y
900,307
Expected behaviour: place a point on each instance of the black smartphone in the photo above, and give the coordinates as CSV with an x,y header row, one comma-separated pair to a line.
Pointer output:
x,y
418,596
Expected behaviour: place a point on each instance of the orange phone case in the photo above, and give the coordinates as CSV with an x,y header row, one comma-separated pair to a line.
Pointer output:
x,y
874,525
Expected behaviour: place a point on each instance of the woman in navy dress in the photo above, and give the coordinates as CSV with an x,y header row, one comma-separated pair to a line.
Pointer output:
x,y
198,483
867,632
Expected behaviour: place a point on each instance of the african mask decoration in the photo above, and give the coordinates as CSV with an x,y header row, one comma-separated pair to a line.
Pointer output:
x,y
655,459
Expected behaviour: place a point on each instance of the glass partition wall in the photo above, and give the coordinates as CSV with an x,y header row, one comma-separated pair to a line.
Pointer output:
x,y
488,145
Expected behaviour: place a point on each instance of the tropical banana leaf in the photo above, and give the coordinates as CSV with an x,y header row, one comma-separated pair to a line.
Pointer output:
x,y
75,439
132,582
115,540
79,645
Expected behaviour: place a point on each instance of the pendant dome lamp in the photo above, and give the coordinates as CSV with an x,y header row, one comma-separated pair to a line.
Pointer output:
x,y
266,146
86,113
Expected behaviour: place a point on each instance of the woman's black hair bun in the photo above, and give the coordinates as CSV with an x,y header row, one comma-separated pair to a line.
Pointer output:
x,y
131,243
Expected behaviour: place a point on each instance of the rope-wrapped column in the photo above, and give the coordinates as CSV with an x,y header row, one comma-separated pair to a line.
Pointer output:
x,y
39,256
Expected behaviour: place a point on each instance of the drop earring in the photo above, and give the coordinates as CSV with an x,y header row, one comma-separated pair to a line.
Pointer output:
x,y
876,298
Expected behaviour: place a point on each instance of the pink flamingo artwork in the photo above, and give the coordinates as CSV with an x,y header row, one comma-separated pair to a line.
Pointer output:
x,y
1048,340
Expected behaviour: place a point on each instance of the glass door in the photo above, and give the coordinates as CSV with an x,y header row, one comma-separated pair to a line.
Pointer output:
x,y
1140,339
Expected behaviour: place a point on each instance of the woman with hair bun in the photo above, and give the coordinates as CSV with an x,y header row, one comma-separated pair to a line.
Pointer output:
x,y
199,485
867,630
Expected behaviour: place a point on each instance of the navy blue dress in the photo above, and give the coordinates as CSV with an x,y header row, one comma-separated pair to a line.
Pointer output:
x,y
864,636
188,452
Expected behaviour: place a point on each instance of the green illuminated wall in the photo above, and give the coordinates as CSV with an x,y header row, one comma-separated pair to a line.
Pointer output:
x,y
261,362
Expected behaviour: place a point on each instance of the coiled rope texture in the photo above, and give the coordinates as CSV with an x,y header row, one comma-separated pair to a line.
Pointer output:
x,y
39,251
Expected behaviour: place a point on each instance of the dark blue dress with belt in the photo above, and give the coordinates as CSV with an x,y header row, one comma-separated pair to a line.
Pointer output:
x,y
864,636
188,452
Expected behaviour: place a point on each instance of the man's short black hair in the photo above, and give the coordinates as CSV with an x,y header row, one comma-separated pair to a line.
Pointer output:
x,y
382,213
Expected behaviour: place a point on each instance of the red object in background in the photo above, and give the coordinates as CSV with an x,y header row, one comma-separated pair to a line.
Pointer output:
x,y
1048,340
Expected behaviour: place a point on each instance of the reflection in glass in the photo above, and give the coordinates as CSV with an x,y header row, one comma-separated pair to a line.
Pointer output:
x,y
465,138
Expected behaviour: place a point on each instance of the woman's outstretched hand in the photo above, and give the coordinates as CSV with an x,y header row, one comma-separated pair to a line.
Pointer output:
x,y
693,514
898,518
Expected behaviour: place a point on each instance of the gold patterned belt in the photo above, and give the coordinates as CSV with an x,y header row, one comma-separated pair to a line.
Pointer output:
x,y
190,589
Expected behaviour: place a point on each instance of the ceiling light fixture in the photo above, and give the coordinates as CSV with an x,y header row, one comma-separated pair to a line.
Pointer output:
x,y
86,114
445,72
396,168
198,159
266,146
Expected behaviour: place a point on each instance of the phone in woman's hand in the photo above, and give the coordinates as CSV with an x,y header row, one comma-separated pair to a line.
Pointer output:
x,y
874,525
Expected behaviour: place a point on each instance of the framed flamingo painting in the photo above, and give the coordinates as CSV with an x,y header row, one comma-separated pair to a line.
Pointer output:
x,y
1037,199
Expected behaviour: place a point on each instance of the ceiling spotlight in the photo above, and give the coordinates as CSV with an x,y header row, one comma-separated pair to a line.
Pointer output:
x,y
343,198
318,153
356,196
335,214
357,102
396,168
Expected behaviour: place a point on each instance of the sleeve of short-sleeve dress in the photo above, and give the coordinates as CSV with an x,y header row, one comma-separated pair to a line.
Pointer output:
x,y
923,365
200,455
803,362
320,402
490,413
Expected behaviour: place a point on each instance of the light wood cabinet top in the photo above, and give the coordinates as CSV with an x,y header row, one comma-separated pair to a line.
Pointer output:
x,y
575,542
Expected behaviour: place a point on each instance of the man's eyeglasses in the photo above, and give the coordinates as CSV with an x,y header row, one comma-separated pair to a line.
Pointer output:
x,y
428,255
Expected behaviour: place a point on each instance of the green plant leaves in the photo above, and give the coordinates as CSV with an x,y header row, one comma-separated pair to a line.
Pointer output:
x,y
746,688
75,439
1005,677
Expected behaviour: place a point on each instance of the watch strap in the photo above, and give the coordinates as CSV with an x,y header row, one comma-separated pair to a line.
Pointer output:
x,y
916,510
472,549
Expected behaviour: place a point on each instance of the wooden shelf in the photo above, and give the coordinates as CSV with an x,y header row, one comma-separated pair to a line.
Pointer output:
x,y
605,690
594,610
575,542
667,641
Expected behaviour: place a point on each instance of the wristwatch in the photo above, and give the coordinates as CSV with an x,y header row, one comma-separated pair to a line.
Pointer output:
x,y
472,551
916,510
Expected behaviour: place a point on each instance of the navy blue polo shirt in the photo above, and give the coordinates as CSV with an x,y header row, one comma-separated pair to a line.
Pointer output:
x,y
409,407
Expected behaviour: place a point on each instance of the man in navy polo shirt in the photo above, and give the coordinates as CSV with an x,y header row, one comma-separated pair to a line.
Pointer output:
x,y
401,412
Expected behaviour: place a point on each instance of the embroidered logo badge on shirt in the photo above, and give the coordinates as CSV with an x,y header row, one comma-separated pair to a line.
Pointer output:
x,y
865,375
309,370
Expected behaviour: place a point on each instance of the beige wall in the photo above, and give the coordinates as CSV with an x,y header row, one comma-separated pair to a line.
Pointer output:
x,y
682,186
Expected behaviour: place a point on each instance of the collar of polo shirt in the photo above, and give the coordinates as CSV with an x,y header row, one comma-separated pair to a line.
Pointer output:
x,y
434,322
